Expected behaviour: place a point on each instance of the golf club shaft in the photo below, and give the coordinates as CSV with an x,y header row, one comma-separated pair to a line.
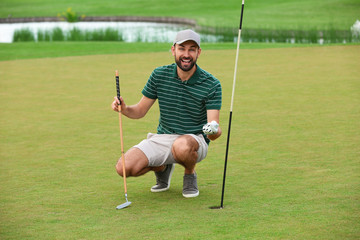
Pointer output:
x,y
231,106
122,149
121,131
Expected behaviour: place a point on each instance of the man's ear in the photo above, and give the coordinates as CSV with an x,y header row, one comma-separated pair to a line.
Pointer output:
x,y
173,50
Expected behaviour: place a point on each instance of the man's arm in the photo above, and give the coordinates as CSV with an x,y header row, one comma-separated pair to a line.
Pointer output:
x,y
214,115
136,111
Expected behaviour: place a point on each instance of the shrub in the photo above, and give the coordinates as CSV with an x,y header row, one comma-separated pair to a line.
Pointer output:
x,y
23,35
70,16
75,34
44,36
57,34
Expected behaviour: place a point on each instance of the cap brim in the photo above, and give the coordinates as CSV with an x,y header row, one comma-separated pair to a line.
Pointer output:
x,y
182,41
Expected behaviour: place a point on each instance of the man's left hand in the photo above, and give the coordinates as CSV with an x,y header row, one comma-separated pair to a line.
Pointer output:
x,y
211,128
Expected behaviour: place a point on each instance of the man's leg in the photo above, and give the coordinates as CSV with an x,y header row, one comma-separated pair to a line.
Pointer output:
x,y
185,153
136,164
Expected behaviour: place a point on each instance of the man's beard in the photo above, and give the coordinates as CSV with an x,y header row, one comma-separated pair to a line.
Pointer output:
x,y
187,68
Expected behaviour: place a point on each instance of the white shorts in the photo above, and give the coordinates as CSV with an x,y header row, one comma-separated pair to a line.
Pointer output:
x,y
157,148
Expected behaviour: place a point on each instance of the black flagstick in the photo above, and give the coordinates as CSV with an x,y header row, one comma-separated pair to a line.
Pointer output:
x,y
231,108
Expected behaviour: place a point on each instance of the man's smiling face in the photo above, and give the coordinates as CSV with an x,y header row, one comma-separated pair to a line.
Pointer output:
x,y
186,55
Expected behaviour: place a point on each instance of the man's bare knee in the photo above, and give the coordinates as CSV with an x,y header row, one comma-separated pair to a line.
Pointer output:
x,y
119,168
136,163
184,149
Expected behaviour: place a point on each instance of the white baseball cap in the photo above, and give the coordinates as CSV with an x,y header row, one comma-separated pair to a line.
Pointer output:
x,y
187,35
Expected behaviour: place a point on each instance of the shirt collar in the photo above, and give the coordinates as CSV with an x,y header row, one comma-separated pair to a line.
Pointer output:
x,y
193,79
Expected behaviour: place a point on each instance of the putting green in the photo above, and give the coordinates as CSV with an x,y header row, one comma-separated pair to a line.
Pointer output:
x,y
293,161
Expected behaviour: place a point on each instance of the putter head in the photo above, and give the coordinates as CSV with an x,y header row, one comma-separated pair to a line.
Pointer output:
x,y
124,205
216,207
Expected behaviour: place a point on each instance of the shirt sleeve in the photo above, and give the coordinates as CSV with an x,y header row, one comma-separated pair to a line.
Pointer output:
x,y
215,97
150,89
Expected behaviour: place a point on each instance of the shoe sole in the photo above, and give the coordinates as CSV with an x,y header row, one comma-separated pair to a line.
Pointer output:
x,y
164,189
191,195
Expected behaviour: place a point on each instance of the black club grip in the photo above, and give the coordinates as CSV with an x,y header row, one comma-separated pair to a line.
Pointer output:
x,y
117,84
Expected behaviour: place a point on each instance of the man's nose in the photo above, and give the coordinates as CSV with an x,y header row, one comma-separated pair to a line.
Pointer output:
x,y
186,53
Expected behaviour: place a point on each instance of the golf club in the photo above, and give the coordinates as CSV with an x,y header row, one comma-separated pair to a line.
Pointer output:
x,y
231,108
127,203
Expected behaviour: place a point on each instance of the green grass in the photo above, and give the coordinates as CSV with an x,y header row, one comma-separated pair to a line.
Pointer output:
x,y
28,50
275,14
293,170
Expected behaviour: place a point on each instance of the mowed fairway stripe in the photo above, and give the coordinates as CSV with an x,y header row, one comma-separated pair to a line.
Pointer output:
x,y
294,148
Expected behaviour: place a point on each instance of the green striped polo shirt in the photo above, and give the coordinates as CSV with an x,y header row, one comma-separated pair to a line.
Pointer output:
x,y
183,105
